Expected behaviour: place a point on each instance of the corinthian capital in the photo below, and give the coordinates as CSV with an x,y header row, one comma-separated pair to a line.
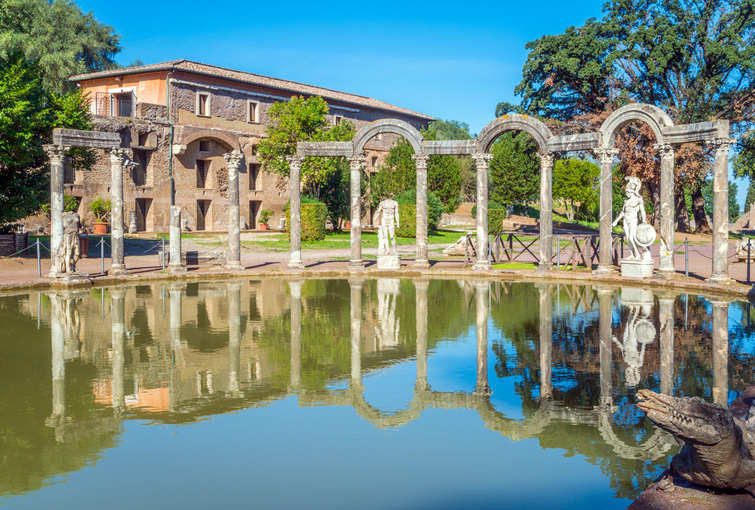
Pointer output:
x,y
721,144
117,155
357,163
294,162
420,160
546,159
482,160
606,155
56,153
233,159
665,150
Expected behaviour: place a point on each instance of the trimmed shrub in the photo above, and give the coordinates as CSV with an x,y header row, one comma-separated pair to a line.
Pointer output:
x,y
407,216
496,215
313,215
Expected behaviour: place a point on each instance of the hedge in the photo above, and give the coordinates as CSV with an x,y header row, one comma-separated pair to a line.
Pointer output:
x,y
312,221
407,219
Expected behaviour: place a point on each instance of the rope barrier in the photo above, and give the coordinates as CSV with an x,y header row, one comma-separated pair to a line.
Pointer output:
x,y
157,244
27,248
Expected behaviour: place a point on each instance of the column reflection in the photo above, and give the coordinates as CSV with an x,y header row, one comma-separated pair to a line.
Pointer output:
x,y
483,297
546,339
295,290
720,350
356,285
421,287
234,337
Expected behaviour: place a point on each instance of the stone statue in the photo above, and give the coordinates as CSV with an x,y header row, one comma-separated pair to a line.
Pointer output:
x,y
718,446
69,248
632,212
387,221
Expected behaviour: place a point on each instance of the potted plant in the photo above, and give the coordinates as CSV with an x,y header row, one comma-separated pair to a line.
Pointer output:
x,y
101,210
265,216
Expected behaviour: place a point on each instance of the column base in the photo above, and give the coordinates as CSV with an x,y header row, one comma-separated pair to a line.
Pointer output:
x,y
71,279
356,265
723,279
296,265
482,266
421,264
666,274
118,270
605,271
542,268
234,266
177,269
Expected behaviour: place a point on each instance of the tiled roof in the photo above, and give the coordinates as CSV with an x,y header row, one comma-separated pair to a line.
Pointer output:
x,y
255,79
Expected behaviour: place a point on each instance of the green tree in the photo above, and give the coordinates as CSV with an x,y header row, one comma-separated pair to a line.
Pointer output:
x,y
707,191
305,120
576,181
28,115
59,37
514,171
397,173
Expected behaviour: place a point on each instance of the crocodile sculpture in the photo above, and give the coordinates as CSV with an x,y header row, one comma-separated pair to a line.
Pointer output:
x,y
719,447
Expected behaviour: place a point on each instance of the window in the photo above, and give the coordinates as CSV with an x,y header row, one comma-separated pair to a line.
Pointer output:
x,y
204,145
337,120
255,177
254,150
123,104
252,112
203,104
202,168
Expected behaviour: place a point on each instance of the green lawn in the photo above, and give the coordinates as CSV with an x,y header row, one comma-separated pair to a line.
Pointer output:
x,y
341,240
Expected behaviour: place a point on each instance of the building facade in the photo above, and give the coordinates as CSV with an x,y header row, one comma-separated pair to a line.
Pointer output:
x,y
178,118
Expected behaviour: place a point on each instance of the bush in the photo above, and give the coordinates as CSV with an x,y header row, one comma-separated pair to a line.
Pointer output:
x,y
313,215
409,198
101,209
265,216
496,215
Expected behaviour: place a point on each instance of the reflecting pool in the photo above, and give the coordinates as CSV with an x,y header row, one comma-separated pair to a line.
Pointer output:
x,y
359,393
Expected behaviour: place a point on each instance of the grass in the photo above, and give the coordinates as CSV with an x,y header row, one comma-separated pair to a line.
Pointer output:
x,y
515,265
342,240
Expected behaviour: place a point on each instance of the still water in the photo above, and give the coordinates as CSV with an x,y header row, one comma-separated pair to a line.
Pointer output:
x,y
388,393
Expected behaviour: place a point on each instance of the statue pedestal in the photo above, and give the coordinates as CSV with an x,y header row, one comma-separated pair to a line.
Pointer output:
x,y
634,268
71,279
389,261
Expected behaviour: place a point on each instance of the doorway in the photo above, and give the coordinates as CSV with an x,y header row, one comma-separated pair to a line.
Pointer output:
x,y
143,217
203,214
254,209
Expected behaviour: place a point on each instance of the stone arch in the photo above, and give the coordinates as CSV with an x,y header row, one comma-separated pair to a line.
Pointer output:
x,y
394,126
657,119
514,122
227,140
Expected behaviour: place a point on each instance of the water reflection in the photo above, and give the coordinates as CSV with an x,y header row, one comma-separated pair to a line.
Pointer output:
x,y
564,371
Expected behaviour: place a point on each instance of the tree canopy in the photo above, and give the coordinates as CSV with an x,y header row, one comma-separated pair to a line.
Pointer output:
x,y
514,171
59,37
576,181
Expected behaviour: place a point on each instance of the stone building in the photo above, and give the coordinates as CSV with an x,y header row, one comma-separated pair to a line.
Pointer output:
x,y
178,118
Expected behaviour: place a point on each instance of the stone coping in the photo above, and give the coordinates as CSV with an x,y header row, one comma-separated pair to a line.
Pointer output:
x,y
733,291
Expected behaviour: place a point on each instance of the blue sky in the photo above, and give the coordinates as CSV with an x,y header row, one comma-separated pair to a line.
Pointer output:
x,y
451,60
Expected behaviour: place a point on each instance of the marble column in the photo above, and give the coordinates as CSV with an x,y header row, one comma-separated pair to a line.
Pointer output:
x,y
605,265
295,290
294,180
233,258
56,153
481,162
420,287
666,153
176,265
118,313
720,351
720,270
483,296
356,285
666,311
356,165
546,339
546,212
234,337
605,318
420,161
117,260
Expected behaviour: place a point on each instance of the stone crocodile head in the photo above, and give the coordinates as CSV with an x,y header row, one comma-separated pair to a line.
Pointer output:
x,y
718,449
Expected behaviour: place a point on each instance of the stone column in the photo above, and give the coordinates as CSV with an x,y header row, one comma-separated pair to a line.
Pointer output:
x,y
720,351
234,337
420,161
546,212
546,339
176,265
117,261
118,312
483,292
233,258
666,310
295,289
56,153
720,271
356,165
356,332
481,162
666,153
605,318
294,180
605,156
420,287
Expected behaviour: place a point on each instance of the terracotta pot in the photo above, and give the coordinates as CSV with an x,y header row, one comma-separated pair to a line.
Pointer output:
x,y
347,225
263,226
100,228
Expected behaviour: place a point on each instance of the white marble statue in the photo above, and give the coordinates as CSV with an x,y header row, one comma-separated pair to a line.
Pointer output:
x,y
633,214
387,221
69,249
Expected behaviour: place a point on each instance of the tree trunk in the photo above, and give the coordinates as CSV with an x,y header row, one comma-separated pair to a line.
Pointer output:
x,y
682,215
698,211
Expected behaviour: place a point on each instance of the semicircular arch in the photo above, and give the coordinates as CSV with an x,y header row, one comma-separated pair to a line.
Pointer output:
x,y
651,115
514,122
395,126
229,141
